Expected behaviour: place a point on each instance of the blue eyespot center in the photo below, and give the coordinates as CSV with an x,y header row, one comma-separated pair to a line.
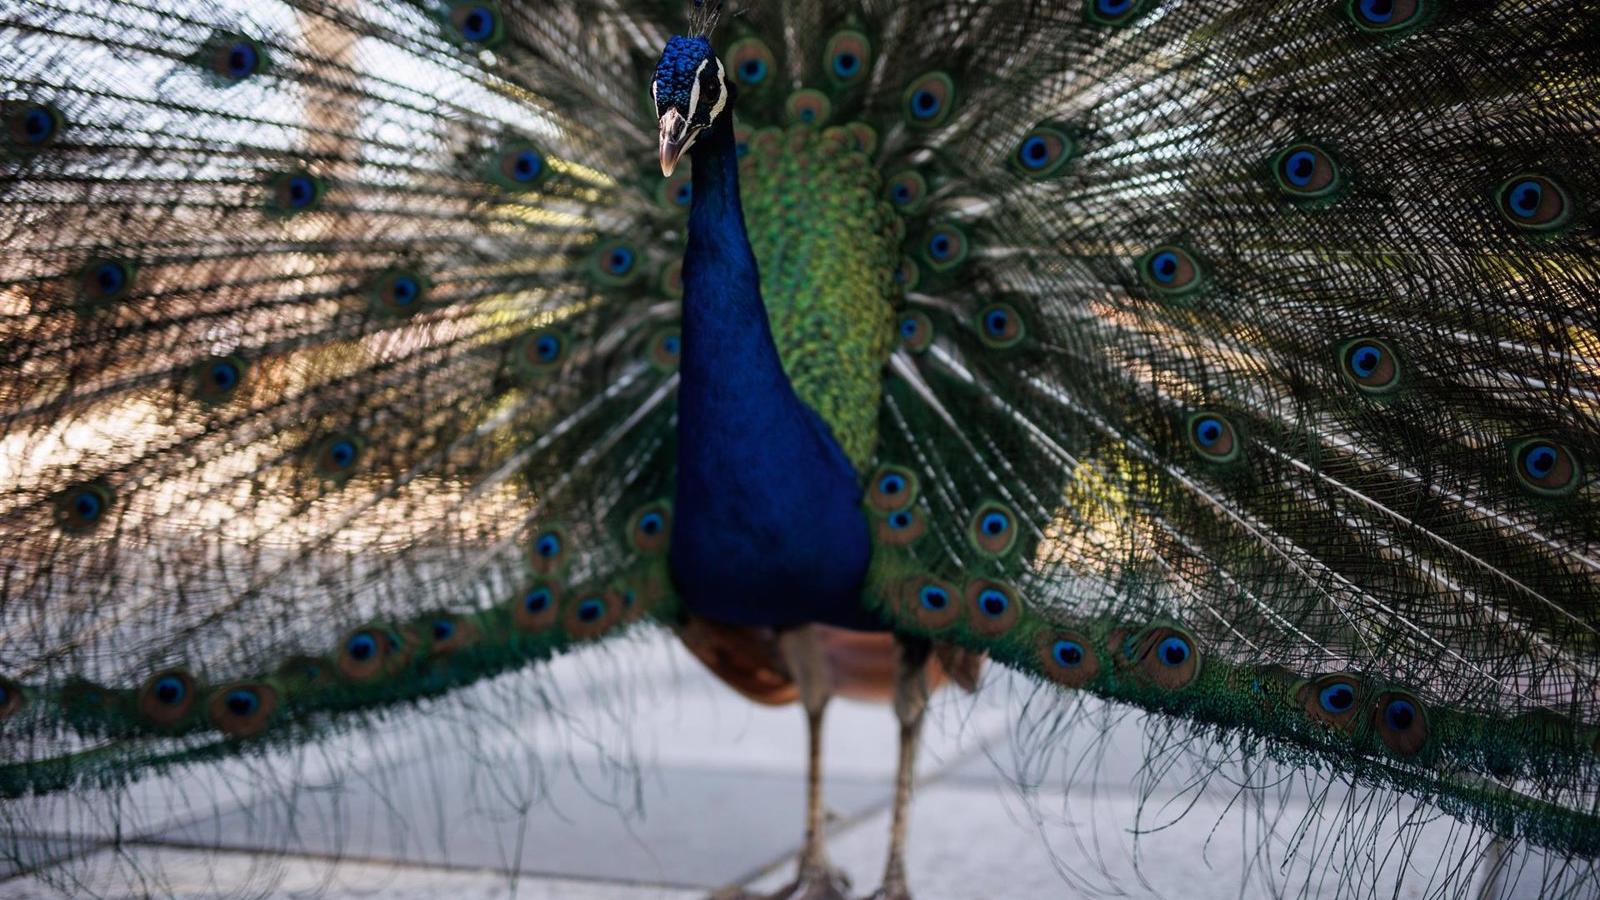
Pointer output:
x,y
1173,652
1377,11
1299,167
934,598
924,104
846,65
527,165
242,702
671,344
87,506
38,125
1164,266
301,190
994,524
940,246
170,690
684,194
1113,7
1539,461
242,60
891,484
477,24
901,194
1526,197
753,70
404,289
651,523
537,601
548,347
342,453
909,327
993,603
443,629
591,610
1400,715
1337,698
110,278
1364,361
1035,152
548,546
1067,654
361,647
224,376
996,322
1208,431
619,261
900,520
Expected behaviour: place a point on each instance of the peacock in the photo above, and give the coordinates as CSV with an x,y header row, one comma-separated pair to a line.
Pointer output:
x,y
1238,362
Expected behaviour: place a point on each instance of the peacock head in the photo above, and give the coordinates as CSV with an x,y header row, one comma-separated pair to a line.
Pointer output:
x,y
691,90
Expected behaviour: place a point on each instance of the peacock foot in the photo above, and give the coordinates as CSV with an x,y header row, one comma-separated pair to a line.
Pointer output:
x,y
814,883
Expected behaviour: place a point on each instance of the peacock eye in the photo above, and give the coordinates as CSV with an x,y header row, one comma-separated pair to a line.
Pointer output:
x,y
900,520
537,600
33,125
224,376
891,488
337,456
361,646
1067,654
591,609
651,528
1305,171
1533,203
397,292
892,484
237,59
478,23
1337,698
242,702
929,100
907,191
1173,651
1112,12
1043,152
1170,270
993,603
82,508
1399,715
521,166
1213,437
1546,467
1385,15
443,629
548,546
170,690
808,107
751,62
1370,365
945,248
106,279
1401,722
993,607
293,192
916,331
993,530
615,263
665,350
933,598
847,56
999,326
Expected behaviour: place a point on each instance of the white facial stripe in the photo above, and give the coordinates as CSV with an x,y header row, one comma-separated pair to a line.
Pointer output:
x,y
722,95
694,92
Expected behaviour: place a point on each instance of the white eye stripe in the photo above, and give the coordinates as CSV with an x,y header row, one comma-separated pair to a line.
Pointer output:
x,y
722,90
694,92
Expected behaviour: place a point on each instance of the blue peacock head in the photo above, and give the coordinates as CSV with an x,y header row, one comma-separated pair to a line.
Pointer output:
x,y
690,88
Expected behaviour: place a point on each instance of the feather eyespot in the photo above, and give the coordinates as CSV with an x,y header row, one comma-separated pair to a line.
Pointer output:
x,y
1401,722
548,552
478,22
916,331
1333,700
592,615
105,280
1213,437
670,281
808,107
1305,171
1000,326
448,633
751,62
1384,15
1370,365
907,275
1068,660
363,654
891,488
993,530
1112,12
651,528
242,710
216,379
1546,467
928,603
847,58
1533,203
666,347
1164,656
615,263
992,607
541,352
294,192
945,248
519,167
337,455
82,508
397,292
536,608
902,527
929,100
1170,270
33,126
677,192
864,138
167,698
233,57
907,191
1042,152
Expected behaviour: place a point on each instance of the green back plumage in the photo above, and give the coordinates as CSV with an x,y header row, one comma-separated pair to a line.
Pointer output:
x,y
1234,361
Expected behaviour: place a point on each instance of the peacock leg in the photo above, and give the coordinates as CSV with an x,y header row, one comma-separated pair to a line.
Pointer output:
x,y
803,653
910,703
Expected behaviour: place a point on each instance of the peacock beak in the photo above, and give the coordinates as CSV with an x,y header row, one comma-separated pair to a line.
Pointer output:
x,y
675,139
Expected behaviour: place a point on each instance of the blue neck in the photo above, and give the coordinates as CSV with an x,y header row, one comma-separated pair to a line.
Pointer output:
x,y
767,528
